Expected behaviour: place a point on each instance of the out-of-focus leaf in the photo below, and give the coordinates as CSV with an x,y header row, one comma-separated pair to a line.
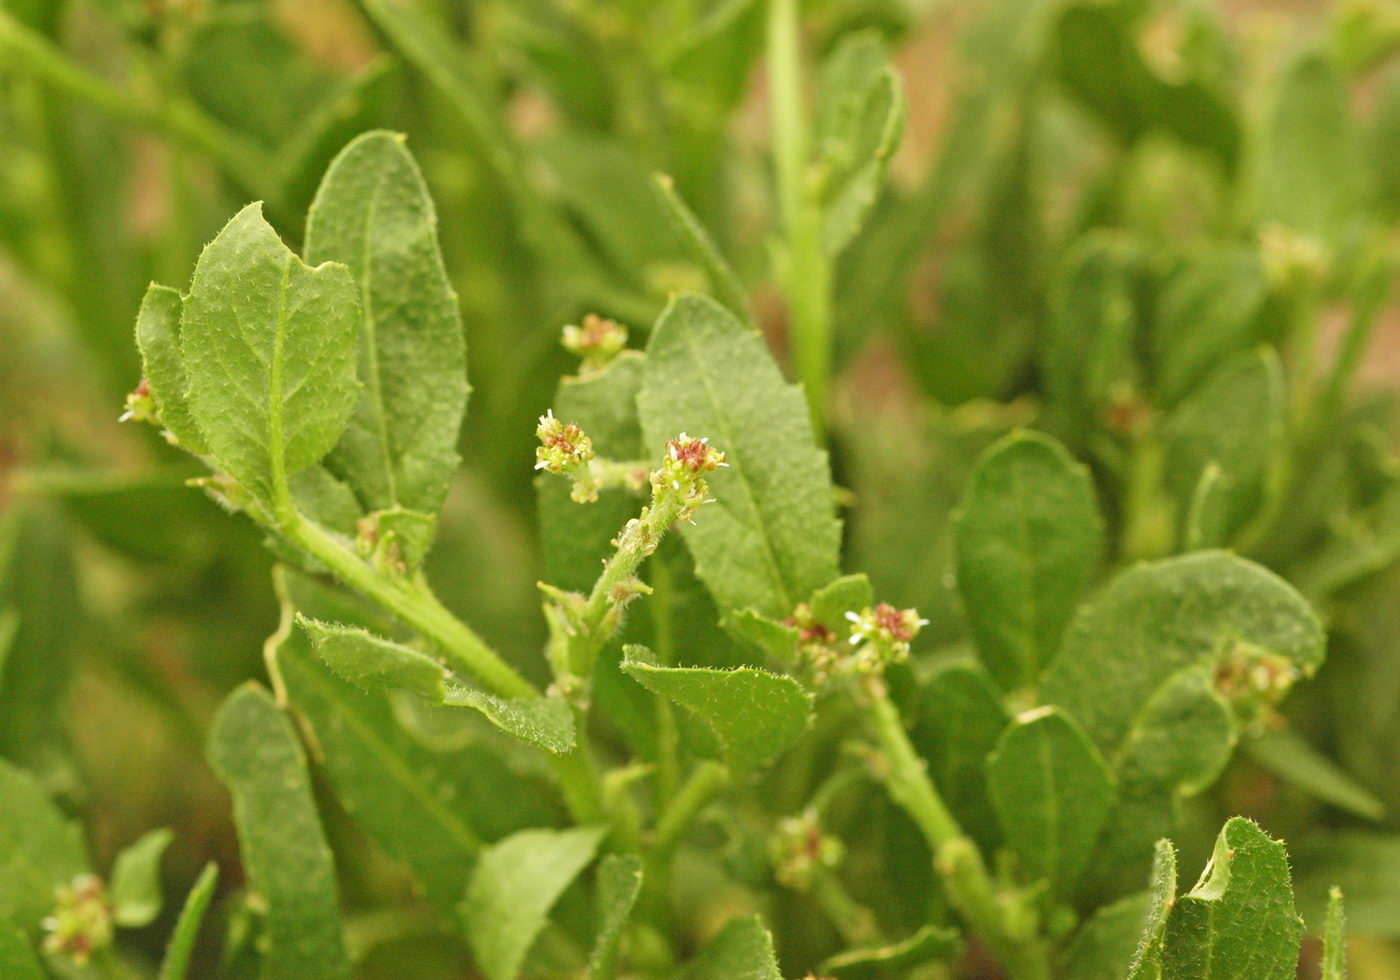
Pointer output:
x,y
701,248
40,849
158,338
1239,920
1365,865
285,856
1052,793
1027,536
757,715
136,893
895,960
373,215
1233,422
514,885
619,884
1290,756
1107,941
859,120
743,950
177,954
17,958
771,538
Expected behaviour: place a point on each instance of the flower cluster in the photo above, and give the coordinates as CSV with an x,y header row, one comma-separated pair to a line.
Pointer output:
x,y
682,473
1254,681
597,341
141,405
799,850
81,921
882,635
564,449
818,645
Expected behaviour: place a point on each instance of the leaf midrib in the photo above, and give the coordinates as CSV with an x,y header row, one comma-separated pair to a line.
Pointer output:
x,y
374,381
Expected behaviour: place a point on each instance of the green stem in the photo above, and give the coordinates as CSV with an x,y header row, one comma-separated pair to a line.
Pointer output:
x,y
707,779
413,602
1001,921
180,120
854,921
806,278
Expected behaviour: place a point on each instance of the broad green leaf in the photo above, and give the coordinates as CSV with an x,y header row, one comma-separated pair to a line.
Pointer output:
x,y
40,849
895,960
1233,421
17,958
1208,311
575,537
774,639
373,214
371,662
269,346
1181,739
1052,793
1158,618
1107,941
701,248
1239,920
374,663
514,885
1308,161
771,538
960,719
755,714
1147,961
1290,756
1027,537
619,884
1334,939
177,954
158,339
743,950
859,121
135,889
288,865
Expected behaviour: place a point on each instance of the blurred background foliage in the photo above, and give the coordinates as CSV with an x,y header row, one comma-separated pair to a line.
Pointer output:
x,y
1096,210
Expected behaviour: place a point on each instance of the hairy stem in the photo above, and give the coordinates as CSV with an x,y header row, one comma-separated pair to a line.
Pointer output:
x,y
998,919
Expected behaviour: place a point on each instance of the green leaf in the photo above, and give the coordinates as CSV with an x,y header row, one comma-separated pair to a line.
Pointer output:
x,y
1365,865
1052,793
1288,755
1239,920
859,121
1107,941
515,884
372,662
40,849
1233,421
960,719
1147,961
285,856
1207,312
849,593
1309,158
177,954
1334,939
774,639
158,339
895,960
743,950
135,890
771,538
373,214
1158,618
1027,537
696,241
1181,739
544,721
619,884
270,351
17,958
755,714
